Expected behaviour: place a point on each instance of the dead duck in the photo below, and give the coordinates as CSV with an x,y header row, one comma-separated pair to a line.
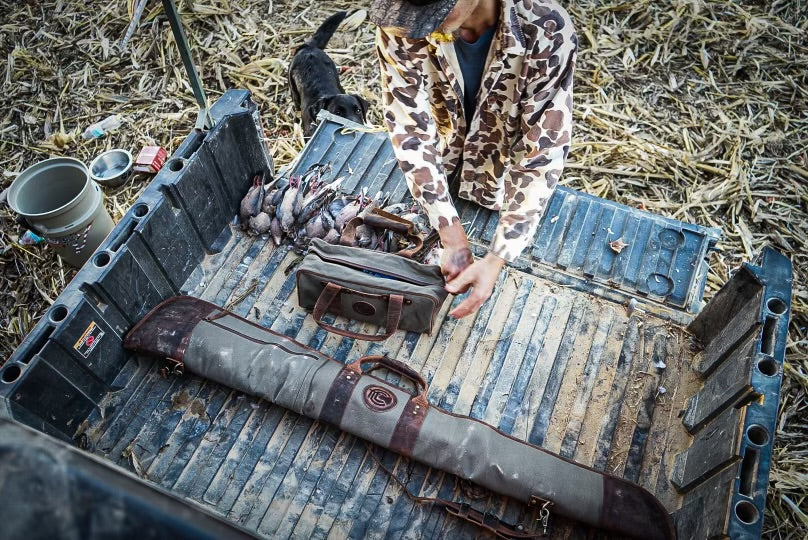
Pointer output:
x,y
332,236
275,231
348,212
251,203
336,206
285,210
316,227
313,203
259,224
273,198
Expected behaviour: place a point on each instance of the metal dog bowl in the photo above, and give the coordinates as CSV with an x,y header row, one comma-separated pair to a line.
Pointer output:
x,y
112,168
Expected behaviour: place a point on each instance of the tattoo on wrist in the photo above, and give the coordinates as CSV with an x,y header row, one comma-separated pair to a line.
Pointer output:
x,y
462,257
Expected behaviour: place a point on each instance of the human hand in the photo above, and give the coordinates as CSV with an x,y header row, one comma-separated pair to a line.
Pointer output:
x,y
456,255
481,277
454,260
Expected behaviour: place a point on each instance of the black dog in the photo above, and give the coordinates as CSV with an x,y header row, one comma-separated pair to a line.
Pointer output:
x,y
314,80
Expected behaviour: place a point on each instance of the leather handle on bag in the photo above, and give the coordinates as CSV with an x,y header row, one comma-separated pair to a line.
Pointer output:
x,y
396,366
330,294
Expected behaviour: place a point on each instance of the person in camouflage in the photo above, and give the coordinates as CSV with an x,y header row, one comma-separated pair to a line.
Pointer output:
x,y
498,121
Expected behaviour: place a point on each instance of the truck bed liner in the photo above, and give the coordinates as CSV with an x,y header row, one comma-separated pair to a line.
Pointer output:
x,y
544,363
582,349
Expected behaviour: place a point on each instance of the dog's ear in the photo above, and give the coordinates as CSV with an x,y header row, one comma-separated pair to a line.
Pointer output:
x,y
363,105
315,107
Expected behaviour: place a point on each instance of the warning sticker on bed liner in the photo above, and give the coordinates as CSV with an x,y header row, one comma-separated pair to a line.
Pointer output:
x,y
89,339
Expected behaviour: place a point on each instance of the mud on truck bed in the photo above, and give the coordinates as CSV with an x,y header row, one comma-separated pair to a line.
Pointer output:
x,y
607,358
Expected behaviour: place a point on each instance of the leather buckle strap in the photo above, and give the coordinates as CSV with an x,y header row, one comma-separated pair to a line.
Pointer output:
x,y
491,522
379,219
174,367
348,236
412,417
330,295
488,521
339,394
385,220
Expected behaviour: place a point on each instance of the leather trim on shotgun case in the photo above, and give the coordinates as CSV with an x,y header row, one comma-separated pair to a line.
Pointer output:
x,y
225,348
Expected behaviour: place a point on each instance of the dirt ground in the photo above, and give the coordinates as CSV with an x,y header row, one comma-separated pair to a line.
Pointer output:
x,y
694,109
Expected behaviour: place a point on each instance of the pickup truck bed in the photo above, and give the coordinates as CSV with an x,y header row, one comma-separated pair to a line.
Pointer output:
x,y
589,352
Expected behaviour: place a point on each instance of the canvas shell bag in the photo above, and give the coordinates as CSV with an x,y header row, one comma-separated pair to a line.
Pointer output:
x,y
369,286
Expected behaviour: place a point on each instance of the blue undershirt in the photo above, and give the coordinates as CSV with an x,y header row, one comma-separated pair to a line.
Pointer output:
x,y
472,57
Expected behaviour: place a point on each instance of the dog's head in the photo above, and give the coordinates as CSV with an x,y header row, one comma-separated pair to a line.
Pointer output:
x,y
349,106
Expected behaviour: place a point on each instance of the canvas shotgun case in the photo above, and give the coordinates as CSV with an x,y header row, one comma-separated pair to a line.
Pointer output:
x,y
388,290
199,337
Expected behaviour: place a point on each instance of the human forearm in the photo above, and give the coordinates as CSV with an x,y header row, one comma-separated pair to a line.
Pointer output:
x,y
520,214
412,130
538,155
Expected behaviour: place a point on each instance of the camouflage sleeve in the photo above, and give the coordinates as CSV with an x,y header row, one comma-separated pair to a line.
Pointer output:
x,y
413,131
538,155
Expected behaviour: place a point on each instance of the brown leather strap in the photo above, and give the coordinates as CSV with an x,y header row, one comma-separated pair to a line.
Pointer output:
x,y
330,294
348,236
408,427
412,417
535,528
417,244
386,220
395,307
383,220
431,239
492,523
339,394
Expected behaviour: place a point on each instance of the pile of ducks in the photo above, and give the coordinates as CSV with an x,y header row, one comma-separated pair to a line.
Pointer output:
x,y
308,206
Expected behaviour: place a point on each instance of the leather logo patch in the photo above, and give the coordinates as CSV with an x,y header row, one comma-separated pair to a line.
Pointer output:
x,y
379,399
364,308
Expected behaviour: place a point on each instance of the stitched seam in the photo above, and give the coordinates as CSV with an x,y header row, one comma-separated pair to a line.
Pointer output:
x,y
259,341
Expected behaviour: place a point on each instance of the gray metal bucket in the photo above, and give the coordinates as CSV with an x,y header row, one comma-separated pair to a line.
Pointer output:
x,y
57,199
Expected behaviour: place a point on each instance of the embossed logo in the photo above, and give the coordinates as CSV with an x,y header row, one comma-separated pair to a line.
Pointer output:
x,y
379,399
363,308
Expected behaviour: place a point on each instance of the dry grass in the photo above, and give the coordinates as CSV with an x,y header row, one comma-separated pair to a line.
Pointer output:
x,y
694,109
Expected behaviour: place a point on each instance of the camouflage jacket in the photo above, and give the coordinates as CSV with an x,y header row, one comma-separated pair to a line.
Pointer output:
x,y
514,150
